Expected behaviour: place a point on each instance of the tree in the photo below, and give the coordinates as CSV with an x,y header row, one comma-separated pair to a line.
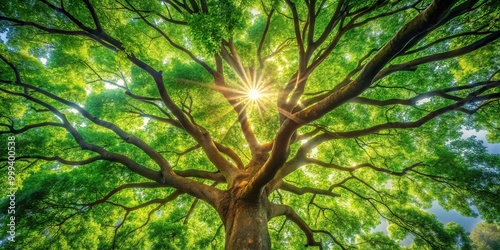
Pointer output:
x,y
485,236
195,124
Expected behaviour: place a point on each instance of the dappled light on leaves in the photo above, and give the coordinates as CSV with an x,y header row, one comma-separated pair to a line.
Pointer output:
x,y
241,124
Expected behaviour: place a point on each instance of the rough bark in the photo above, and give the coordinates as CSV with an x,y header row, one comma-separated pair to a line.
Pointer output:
x,y
245,222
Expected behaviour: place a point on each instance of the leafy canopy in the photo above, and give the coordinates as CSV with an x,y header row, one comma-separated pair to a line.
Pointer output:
x,y
139,123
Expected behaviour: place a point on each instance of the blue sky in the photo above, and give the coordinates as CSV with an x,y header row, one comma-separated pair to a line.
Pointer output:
x,y
468,223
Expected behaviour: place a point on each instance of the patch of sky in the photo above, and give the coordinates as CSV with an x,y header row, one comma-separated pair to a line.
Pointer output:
x,y
493,148
3,36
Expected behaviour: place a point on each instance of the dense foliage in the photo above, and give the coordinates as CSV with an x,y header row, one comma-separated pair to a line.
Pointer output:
x,y
202,124
485,236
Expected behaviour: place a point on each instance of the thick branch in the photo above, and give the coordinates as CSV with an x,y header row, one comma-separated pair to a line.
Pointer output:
x,y
133,166
168,178
171,42
411,65
231,154
198,133
472,97
364,165
263,39
195,173
440,40
106,197
94,15
421,23
279,210
61,160
162,163
426,20
302,190
28,127
237,105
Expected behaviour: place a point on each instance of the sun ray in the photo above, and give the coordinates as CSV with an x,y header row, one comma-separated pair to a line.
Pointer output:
x,y
249,90
254,94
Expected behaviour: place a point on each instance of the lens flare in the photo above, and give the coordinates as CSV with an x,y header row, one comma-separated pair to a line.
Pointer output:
x,y
254,94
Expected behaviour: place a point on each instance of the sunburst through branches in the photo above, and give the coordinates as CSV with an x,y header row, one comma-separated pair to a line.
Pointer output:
x,y
249,91
253,92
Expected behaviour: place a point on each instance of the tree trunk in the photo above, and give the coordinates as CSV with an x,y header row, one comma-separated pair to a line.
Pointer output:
x,y
246,226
